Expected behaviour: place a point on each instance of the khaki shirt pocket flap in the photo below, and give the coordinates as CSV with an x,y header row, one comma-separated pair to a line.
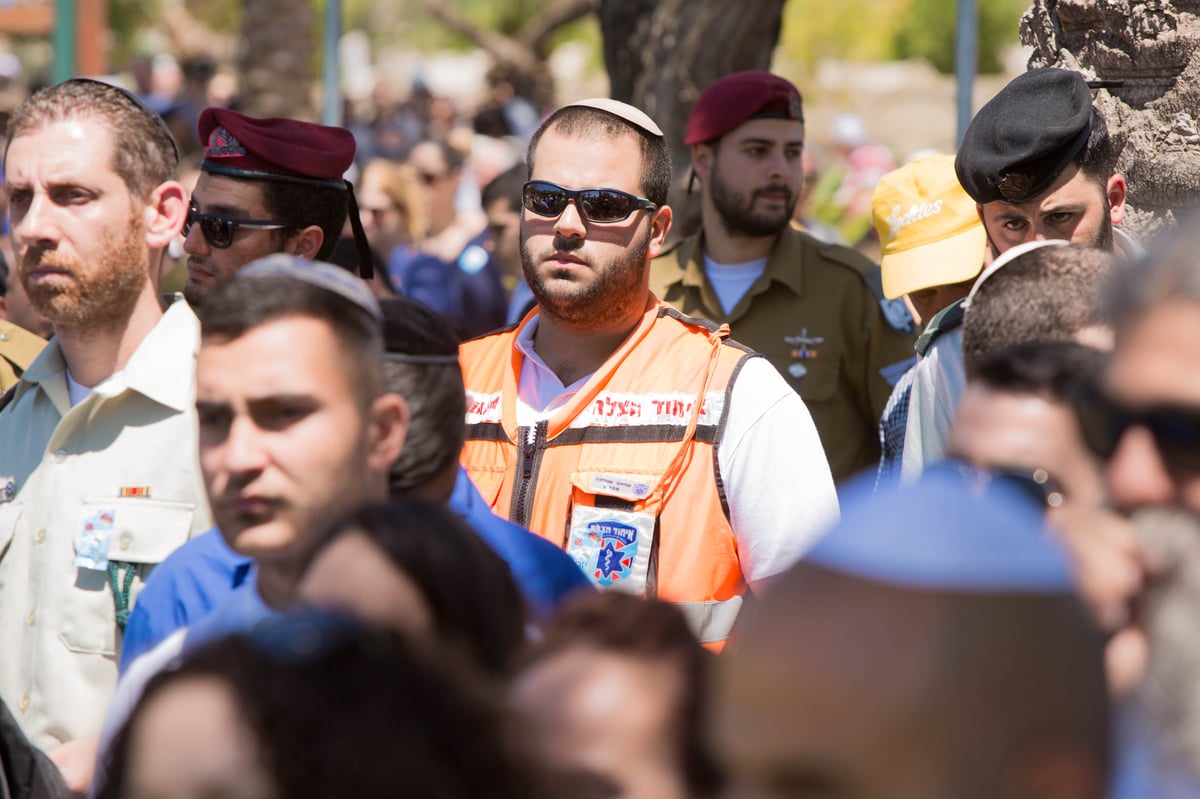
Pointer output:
x,y
143,530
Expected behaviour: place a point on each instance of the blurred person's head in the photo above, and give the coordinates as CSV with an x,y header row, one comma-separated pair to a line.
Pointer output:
x,y
1039,161
415,567
420,363
311,705
265,186
746,134
932,243
1019,412
1153,381
614,694
1043,291
501,200
939,659
296,430
438,166
1027,412
389,200
90,263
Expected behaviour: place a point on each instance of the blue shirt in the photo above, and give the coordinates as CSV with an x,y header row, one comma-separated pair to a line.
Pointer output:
x,y
203,573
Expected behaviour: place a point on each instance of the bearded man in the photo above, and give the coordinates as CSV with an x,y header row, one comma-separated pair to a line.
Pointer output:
x,y
815,310
667,460
99,474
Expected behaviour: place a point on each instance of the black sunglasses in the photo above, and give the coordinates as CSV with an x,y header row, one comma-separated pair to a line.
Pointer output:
x,y
218,230
1175,429
1035,485
548,199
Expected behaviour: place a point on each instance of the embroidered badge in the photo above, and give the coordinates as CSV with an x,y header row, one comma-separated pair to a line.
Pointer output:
x,y
8,488
222,144
804,348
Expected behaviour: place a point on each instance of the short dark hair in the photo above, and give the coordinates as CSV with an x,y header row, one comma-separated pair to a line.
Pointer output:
x,y
144,154
305,204
1064,371
506,186
650,629
477,609
339,710
421,364
239,305
584,121
1098,158
1046,294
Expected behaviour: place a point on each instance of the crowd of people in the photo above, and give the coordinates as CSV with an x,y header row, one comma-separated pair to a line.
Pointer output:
x,y
536,500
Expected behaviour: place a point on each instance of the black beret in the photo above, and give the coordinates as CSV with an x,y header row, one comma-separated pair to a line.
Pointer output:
x,y
1025,136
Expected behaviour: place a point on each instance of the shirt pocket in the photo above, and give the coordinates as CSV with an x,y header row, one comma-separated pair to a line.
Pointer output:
x,y
144,533
819,380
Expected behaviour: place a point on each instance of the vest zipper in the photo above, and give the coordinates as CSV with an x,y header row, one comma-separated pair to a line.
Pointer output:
x,y
526,487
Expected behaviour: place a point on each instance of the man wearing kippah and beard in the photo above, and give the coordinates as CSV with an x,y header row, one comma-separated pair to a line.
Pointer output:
x,y
815,310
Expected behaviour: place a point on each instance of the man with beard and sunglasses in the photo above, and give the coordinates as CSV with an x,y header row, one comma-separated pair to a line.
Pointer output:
x,y
266,186
99,473
666,459
1150,434
806,305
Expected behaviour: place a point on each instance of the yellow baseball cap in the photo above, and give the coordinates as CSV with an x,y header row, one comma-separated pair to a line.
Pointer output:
x,y
929,231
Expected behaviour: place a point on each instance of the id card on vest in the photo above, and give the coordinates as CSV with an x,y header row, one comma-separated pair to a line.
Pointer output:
x,y
612,546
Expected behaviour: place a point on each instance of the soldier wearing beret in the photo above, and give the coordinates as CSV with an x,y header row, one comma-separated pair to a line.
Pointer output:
x,y
266,186
806,305
1040,163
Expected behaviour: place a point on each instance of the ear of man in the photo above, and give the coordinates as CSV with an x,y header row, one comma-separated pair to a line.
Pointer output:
x,y
387,422
164,213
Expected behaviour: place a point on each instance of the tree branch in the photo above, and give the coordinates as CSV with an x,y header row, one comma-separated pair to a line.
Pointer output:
x,y
500,47
540,28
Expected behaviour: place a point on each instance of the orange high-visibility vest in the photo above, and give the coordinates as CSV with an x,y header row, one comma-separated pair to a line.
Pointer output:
x,y
624,477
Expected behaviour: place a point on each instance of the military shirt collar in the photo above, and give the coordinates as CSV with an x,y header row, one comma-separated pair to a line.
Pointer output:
x,y
784,265
162,368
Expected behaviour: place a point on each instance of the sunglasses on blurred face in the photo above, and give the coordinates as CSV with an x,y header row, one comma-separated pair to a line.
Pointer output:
x,y
218,230
1174,428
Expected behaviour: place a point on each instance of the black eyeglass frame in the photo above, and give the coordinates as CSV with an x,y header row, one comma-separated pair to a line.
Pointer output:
x,y
228,226
636,203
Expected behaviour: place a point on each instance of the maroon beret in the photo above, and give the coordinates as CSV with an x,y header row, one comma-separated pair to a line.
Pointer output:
x,y
733,99
274,148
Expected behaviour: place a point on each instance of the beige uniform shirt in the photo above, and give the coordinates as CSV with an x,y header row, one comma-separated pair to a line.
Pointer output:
x,y
124,461
815,318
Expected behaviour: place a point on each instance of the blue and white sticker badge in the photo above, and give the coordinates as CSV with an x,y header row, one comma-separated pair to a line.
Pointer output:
x,y
92,551
8,488
612,547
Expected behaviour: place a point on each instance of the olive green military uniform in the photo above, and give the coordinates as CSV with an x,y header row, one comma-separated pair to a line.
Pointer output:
x,y
18,349
814,316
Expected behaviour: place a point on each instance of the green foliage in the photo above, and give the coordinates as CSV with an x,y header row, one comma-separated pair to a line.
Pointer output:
x,y
852,29
927,30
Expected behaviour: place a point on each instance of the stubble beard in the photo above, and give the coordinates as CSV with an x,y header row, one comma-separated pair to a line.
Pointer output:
x,y
604,300
98,298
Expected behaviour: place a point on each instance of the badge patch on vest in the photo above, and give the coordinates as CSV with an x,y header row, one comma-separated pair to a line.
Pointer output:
x,y
612,547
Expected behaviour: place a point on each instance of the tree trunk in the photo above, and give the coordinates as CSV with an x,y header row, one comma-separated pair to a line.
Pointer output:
x,y
275,64
660,54
1151,48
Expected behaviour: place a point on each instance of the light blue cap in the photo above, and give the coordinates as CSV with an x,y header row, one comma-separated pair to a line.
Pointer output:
x,y
956,529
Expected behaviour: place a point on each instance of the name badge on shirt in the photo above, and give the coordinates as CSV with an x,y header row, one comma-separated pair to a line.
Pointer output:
x,y
92,552
8,488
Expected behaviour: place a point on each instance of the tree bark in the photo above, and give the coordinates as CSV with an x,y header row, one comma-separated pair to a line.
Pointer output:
x,y
275,63
1151,48
660,54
